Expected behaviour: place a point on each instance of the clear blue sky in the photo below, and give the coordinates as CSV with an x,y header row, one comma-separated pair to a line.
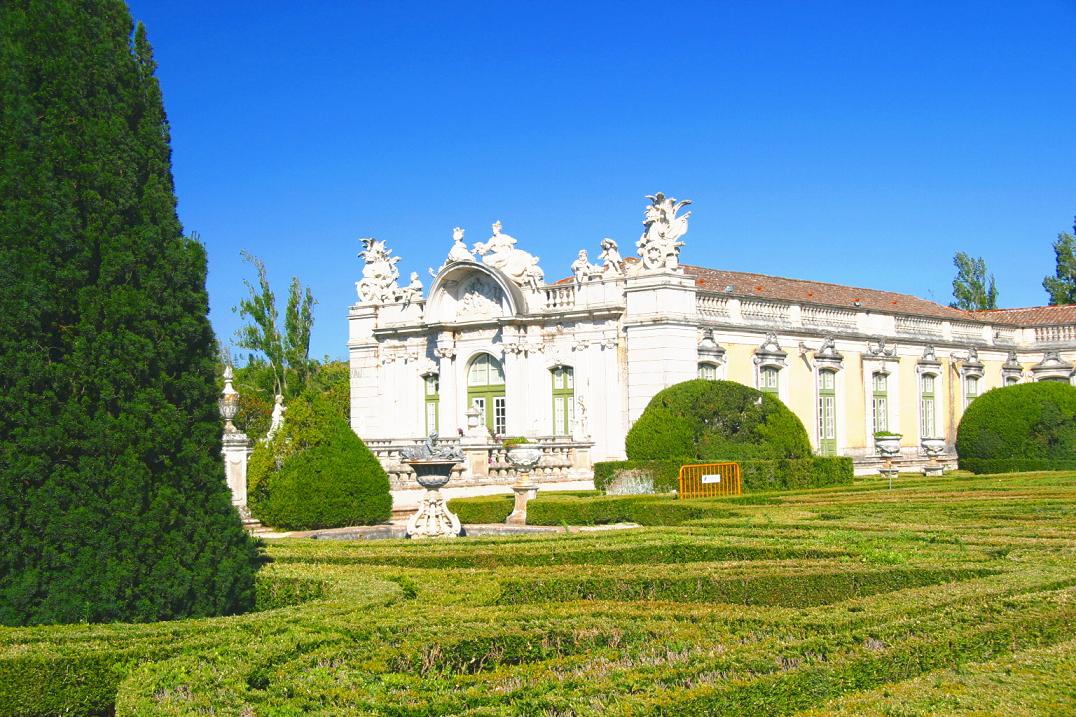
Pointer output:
x,y
855,142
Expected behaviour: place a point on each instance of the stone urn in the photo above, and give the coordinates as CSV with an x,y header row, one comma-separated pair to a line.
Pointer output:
x,y
888,447
934,448
524,459
433,466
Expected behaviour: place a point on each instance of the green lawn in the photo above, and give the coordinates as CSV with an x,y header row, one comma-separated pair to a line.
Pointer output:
x,y
952,596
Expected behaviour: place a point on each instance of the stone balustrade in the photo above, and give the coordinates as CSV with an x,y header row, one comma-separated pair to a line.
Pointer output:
x,y
822,317
559,297
919,326
764,312
712,306
562,459
1054,334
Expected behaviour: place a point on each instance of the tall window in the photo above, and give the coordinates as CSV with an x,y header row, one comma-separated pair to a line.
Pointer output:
x,y
708,371
926,405
880,401
432,401
767,379
971,390
827,413
485,391
563,400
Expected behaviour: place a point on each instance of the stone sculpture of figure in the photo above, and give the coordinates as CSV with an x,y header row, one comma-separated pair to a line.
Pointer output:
x,y
611,256
413,291
659,246
583,269
581,430
277,419
379,274
459,250
500,253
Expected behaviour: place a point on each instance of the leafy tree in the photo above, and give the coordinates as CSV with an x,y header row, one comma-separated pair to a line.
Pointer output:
x,y
972,289
1062,285
113,504
286,352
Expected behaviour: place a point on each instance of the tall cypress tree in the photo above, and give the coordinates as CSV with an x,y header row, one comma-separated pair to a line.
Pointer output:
x,y
113,503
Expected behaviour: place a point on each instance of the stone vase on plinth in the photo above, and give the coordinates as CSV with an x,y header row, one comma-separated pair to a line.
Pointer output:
x,y
933,447
524,460
433,466
888,447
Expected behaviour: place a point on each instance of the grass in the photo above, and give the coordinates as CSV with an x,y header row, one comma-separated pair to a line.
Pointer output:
x,y
951,596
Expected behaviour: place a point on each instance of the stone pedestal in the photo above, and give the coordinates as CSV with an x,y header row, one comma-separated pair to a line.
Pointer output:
x,y
236,449
523,460
933,447
433,519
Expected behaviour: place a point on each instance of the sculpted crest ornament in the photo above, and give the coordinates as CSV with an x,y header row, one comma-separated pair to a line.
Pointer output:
x,y
659,246
379,274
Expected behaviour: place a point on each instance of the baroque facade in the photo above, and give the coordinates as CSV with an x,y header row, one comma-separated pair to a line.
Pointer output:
x,y
493,350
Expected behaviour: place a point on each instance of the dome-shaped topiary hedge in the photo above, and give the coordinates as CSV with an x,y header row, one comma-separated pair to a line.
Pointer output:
x,y
1031,426
716,420
316,473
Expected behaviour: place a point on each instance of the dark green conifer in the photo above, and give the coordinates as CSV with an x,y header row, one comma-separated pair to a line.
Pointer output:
x,y
113,504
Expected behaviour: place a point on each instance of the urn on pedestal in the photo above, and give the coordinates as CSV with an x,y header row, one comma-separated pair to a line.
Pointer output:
x,y
523,459
933,447
888,447
433,466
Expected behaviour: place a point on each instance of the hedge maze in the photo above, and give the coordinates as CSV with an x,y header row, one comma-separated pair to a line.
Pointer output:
x,y
948,596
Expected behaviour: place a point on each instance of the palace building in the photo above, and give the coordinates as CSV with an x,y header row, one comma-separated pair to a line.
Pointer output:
x,y
494,351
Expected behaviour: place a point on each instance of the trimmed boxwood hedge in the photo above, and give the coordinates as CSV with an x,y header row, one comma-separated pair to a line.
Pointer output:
x,y
1026,427
721,420
316,473
812,472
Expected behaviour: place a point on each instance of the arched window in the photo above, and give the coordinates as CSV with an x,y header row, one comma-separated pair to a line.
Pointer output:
x,y
485,391
827,413
708,371
971,390
880,401
767,379
432,401
926,405
563,400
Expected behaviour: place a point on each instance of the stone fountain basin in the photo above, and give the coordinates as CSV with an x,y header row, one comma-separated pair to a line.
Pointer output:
x,y
432,475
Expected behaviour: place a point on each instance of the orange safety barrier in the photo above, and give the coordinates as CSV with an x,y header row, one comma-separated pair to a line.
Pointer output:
x,y
709,480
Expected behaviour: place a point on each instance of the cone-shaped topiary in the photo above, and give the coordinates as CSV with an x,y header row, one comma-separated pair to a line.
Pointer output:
x,y
113,503
716,420
1031,426
316,473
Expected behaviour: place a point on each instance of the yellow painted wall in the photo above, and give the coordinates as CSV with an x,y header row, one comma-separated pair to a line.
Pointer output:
x,y
855,420
909,401
740,361
800,396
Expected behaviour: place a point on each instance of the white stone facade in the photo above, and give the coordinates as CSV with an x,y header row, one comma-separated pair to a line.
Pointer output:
x,y
570,365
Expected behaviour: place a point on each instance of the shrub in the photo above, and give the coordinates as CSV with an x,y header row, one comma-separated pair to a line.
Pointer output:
x,y
716,420
1030,426
482,509
316,473
113,502
811,472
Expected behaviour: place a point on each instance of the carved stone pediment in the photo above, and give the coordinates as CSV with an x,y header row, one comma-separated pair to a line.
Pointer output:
x,y
828,356
878,349
1052,366
479,298
770,352
928,362
972,366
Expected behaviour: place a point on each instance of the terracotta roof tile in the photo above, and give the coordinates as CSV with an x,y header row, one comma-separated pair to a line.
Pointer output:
x,y
1030,316
745,284
748,284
